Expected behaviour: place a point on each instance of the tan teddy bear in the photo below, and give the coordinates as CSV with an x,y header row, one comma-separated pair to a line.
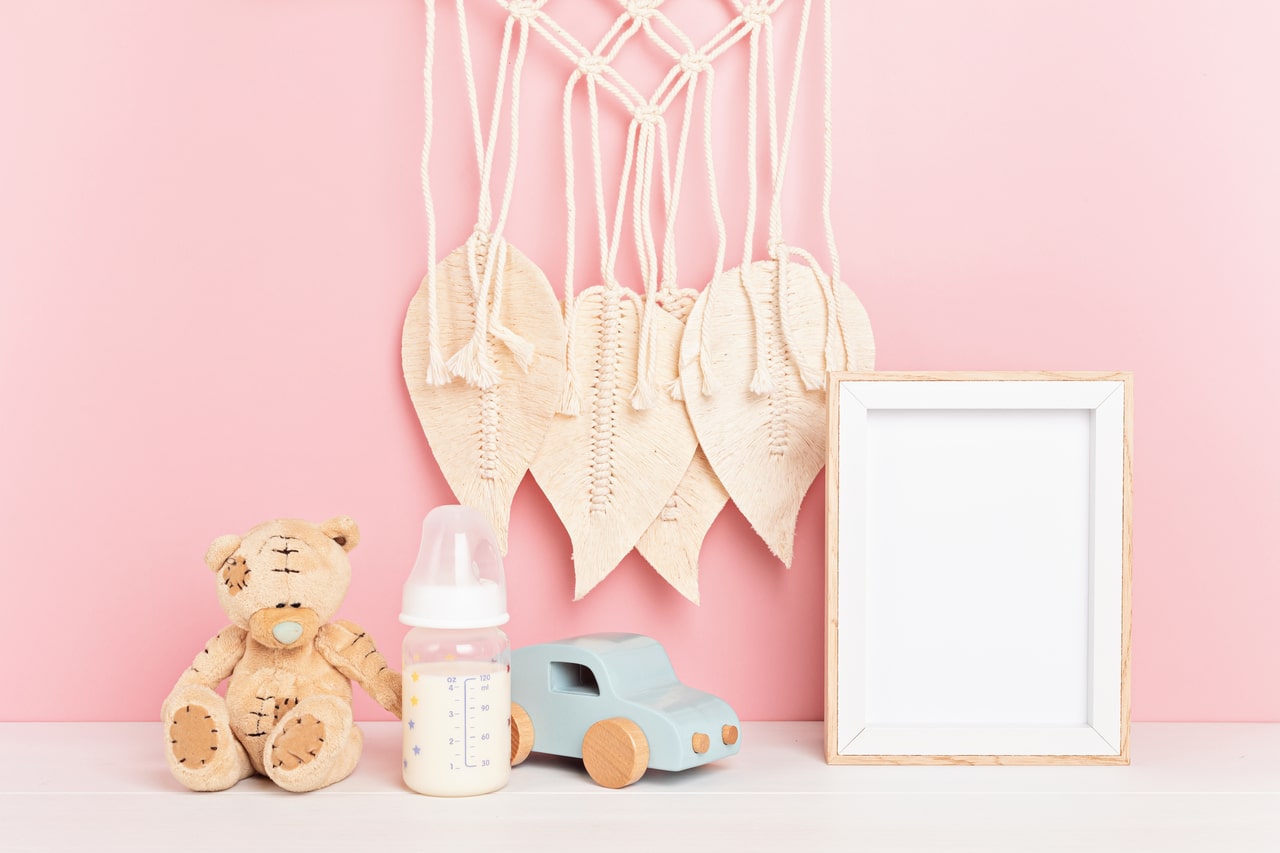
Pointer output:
x,y
287,713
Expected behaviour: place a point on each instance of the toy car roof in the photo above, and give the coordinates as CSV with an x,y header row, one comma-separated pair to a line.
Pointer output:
x,y
607,644
628,661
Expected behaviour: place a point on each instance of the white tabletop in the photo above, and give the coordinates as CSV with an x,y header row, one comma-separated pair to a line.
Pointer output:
x,y
1201,786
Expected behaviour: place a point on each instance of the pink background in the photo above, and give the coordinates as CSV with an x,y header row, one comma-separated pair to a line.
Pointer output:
x,y
212,227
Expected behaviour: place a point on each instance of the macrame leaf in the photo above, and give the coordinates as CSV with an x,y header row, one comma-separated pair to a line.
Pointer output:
x,y
609,470
673,540
484,439
767,448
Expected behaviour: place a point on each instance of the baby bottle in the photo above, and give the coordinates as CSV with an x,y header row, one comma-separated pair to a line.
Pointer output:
x,y
457,682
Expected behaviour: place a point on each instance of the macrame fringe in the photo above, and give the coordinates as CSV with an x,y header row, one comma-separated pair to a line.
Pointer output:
x,y
642,396
762,383
675,389
813,379
474,365
570,399
437,373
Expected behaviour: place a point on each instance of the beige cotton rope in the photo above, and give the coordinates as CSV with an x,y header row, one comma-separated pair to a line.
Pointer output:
x,y
768,327
637,16
631,436
485,430
634,457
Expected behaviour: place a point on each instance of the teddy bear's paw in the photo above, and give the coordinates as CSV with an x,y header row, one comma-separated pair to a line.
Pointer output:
x,y
299,742
313,745
203,755
193,737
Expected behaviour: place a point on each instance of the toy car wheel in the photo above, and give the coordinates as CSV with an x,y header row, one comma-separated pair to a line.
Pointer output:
x,y
521,734
615,752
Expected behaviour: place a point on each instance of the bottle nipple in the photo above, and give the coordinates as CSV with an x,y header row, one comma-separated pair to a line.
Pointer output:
x,y
457,580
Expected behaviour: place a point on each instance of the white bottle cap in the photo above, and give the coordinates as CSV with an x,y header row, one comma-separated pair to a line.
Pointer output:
x,y
457,580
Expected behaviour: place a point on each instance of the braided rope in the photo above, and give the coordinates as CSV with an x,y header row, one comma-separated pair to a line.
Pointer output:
x,y
647,144
436,373
474,362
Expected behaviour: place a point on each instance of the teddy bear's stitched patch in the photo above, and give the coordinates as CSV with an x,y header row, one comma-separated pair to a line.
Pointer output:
x,y
298,743
235,574
283,706
193,736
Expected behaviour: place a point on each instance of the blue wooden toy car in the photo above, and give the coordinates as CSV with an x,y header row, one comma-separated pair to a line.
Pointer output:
x,y
614,701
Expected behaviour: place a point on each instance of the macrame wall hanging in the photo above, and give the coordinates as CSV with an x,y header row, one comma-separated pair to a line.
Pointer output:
x,y
649,405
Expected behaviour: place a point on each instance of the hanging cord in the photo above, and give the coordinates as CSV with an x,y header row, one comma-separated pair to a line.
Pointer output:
x,y
849,360
436,372
652,127
761,381
810,376
520,349
696,65
474,361
690,67
577,53
590,66
721,43
690,63
705,368
660,276
596,68
570,400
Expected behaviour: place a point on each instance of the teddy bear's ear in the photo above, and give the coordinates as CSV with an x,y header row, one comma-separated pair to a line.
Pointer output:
x,y
222,547
343,530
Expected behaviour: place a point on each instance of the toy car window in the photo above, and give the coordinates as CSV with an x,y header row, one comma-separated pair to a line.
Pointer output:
x,y
573,678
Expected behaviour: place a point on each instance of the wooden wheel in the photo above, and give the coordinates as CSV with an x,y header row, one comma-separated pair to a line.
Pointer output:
x,y
615,752
521,734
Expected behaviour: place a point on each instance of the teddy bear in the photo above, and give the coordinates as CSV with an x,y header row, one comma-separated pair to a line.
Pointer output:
x,y
287,711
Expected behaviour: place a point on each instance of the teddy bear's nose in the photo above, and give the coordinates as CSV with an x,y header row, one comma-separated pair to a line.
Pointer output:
x,y
287,632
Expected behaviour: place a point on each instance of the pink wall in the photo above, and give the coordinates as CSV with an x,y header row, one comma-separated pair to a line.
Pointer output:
x,y
212,227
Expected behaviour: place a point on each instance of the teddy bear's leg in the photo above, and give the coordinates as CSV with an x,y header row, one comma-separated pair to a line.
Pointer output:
x,y
314,745
202,752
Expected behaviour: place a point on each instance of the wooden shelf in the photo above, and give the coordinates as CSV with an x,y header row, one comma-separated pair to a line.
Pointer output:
x,y
1192,786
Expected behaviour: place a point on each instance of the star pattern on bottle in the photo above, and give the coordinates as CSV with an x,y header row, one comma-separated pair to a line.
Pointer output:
x,y
416,749
411,724
413,700
414,676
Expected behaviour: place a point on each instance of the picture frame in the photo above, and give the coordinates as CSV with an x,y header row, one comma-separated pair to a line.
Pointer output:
x,y
979,568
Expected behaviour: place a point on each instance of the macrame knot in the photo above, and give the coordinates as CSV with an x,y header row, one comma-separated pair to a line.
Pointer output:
x,y
676,303
648,114
694,63
755,13
592,65
641,8
777,248
525,10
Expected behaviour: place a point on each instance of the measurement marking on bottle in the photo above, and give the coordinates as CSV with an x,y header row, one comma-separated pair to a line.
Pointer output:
x,y
475,692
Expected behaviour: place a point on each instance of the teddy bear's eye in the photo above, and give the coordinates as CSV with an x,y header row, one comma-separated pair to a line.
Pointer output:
x,y
296,604
281,604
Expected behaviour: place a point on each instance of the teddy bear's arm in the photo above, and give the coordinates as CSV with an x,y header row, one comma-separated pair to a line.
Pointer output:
x,y
353,653
219,658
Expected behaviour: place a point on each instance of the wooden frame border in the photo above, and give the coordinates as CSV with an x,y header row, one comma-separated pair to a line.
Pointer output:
x,y
832,669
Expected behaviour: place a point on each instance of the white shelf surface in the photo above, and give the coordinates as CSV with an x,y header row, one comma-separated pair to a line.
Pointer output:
x,y
1191,786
